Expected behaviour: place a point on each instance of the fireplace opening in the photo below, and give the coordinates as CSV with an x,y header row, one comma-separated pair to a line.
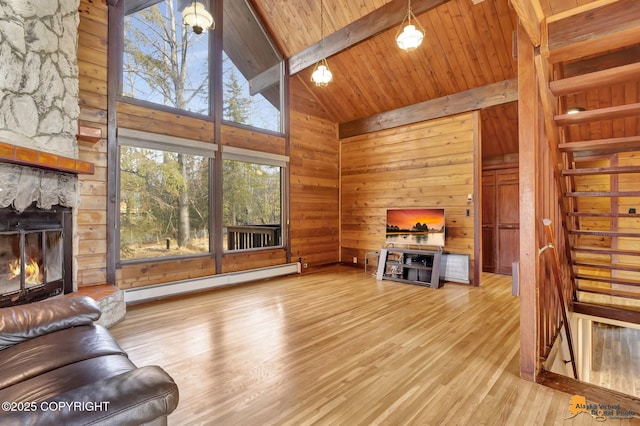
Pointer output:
x,y
35,254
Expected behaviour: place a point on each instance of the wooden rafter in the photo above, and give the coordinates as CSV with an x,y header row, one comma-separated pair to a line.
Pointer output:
x,y
368,26
483,97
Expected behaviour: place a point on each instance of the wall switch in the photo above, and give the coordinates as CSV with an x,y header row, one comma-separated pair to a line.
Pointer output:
x,y
632,210
468,212
355,260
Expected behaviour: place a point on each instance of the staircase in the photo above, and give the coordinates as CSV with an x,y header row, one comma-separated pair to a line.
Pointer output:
x,y
599,161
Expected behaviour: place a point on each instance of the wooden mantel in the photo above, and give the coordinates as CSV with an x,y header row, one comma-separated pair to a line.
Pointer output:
x,y
31,157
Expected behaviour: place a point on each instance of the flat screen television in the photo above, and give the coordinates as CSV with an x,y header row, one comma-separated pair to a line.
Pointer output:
x,y
417,226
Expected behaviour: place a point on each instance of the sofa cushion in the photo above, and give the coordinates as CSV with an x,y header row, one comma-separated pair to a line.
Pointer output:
x,y
54,350
24,322
66,378
132,398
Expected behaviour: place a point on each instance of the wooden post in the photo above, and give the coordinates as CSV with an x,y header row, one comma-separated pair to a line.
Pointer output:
x,y
528,133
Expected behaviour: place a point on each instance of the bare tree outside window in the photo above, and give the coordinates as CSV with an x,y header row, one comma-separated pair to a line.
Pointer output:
x,y
166,64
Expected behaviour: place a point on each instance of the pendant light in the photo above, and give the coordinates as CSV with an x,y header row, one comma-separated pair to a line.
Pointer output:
x,y
321,75
410,37
197,17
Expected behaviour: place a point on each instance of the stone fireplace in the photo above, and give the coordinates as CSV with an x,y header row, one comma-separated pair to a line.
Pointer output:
x,y
39,112
35,262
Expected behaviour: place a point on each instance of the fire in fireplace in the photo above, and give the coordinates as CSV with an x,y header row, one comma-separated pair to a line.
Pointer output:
x,y
35,254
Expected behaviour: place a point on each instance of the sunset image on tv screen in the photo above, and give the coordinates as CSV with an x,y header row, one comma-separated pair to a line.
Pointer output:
x,y
421,226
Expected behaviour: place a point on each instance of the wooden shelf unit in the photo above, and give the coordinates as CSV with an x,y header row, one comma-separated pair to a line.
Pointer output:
x,y
420,267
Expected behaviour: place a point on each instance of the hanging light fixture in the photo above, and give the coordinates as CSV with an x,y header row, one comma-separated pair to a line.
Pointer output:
x,y
410,37
321,75
197,17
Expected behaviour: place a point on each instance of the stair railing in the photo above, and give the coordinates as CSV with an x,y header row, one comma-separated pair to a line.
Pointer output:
x,y
555,266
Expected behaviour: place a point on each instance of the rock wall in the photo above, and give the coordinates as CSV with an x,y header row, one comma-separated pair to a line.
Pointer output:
x,y
39,75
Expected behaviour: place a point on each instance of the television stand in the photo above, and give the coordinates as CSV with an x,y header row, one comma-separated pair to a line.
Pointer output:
x,y
420,267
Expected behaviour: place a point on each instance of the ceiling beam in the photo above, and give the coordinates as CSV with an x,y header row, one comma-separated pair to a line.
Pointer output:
x,y
482,97
531,16
593,28
379,20
265,80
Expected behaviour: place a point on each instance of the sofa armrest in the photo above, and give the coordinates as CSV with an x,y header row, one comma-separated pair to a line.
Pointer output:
x,y
24,322
136,397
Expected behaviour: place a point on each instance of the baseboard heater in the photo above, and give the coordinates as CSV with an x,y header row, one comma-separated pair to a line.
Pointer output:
x,y
151,292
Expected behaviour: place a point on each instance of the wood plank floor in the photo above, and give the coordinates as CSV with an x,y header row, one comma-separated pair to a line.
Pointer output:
x,y
616,358
338,347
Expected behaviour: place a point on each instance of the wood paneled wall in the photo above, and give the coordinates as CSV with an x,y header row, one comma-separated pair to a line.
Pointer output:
x,y
92,211
429,164
314,181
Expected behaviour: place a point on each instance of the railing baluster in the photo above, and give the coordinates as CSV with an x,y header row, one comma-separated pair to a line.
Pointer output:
x,y
555,266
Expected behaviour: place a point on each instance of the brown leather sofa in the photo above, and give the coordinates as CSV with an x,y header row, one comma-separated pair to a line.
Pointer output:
x,y
58,368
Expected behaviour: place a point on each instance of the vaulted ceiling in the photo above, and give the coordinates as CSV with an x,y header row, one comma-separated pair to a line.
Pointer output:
x,y
468,44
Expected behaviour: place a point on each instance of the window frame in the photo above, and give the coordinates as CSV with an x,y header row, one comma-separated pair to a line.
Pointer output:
x,y
156,141
267,159
211,58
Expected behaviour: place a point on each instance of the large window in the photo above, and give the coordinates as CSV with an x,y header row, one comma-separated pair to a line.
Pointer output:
x,y
252,201
164,196
164,62
252,71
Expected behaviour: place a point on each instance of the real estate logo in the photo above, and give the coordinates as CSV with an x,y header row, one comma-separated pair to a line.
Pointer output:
x,y
600,412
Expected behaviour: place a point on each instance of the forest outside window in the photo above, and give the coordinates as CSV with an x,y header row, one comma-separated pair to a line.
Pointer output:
x,y
164,62
164,202
252,201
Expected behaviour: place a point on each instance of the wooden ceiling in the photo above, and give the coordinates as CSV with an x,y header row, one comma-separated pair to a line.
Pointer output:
x,y
467,46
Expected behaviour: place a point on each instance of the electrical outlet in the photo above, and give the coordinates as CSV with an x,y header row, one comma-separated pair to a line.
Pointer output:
x,y
355,260
304,265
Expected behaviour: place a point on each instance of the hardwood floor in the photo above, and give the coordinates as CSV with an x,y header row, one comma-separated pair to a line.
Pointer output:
x,y
339,347
616,358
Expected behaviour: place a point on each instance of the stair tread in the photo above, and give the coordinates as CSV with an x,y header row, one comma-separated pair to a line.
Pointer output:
x,y
610,292
590,116
600,78
612,266
600,170
603,194
601,214
604,233
610,280
606,250
602,146
626,313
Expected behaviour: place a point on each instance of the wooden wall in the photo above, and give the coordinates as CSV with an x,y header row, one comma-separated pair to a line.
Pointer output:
x,y
429,164
314,180
92,211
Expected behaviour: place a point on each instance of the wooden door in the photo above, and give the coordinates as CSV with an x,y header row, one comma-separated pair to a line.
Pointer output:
x,y
489,221
507,219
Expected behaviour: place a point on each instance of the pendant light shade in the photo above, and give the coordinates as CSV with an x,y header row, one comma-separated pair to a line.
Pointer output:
x,y
197,17
409,37
322,75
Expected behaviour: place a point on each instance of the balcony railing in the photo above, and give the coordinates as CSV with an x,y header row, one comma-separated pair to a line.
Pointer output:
x,y
244,237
